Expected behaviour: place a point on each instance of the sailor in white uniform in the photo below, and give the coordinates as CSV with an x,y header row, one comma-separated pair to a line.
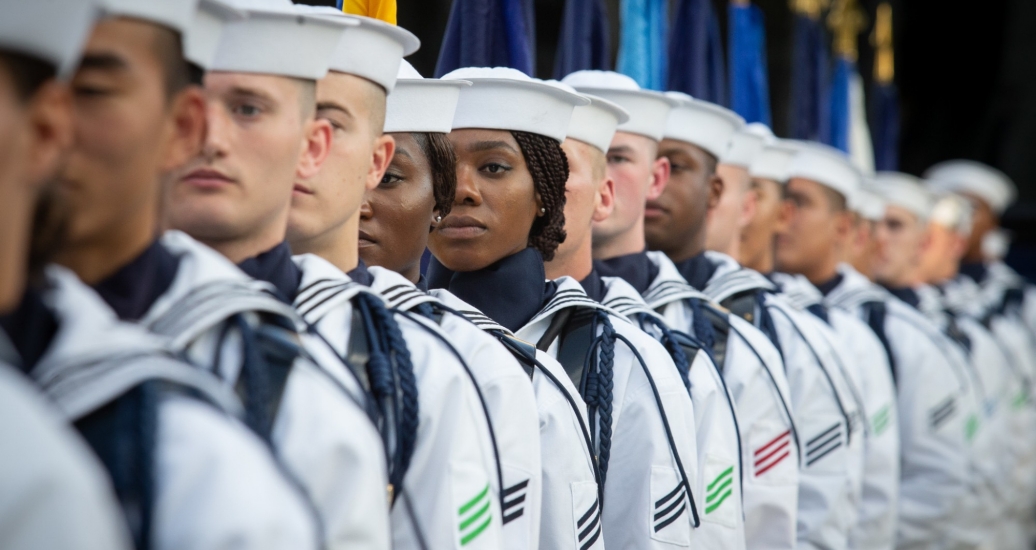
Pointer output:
x,y
824,399
654,425
765,446
213,314
857,354
48,475
187,473
935,396
590,198
902,238
949,228
506,217
416,190
453,485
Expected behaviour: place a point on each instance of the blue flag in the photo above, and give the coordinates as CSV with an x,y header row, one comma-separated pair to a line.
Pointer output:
x,y
810,109
583,43
885,126
696,52
642,54
839,94
488,33
749,77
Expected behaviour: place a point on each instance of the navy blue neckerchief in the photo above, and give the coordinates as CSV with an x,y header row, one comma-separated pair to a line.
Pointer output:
x,y
818,310
828,286
30,327
422,283
594,286
134,288
636,269
977,271
511,291
906,294
697,270
361,275
275,267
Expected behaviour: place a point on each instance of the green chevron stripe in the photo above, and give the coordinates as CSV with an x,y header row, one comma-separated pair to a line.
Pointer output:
x,y
478,531
971,427
471,503
713,507
474,517
712,496
880,420
480,514
725,473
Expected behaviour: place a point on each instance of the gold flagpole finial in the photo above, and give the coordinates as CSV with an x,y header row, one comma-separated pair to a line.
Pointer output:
x,y
881,39
846,21
809,8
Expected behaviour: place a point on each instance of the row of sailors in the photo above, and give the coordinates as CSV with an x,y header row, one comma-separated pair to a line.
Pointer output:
x,y
242,336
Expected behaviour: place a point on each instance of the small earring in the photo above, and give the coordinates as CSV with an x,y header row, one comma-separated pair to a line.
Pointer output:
x,y
438,219
543,210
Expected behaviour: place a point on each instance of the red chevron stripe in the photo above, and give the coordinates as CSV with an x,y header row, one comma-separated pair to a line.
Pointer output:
x,y
772,464
773,442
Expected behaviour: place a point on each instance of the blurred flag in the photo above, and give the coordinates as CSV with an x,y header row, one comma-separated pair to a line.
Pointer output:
x,y
583,43
487,33
749,77
810,75
378,9
696,53
884,96
849,131
642,54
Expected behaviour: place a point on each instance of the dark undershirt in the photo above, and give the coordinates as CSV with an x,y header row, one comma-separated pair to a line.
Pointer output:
x,y
828,286
594,287
361,275
134,288
31,327
976,270
636,269
697,270
511,291
275,267
906,294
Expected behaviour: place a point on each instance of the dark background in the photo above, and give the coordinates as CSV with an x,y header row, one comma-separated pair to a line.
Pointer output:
x,y
966,73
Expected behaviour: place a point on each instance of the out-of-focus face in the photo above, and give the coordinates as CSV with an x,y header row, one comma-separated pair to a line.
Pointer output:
x,y
495,206
983,221
586,175
638,177
863,247
326,201
241,183
727,218
396,217
810,232
941,255
123,128
758,236
678,214
900,236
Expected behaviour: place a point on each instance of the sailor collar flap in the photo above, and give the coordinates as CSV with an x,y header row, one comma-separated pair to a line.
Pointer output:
x,y
397,291
95,358
730,279
855,290
625,299
669,286
797,290
468,311
569,294
324,288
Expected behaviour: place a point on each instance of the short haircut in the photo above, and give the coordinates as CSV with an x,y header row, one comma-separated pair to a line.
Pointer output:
x,y
710,163
443,162
168,48
376,100
28,73
835,199
598,163
307,97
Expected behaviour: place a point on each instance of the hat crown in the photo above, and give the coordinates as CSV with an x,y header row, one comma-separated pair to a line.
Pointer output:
x,y
702,124
600,79
904,191
827,166
967,176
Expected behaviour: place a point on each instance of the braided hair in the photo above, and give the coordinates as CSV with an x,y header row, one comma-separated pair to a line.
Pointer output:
x,y
549,168
443,163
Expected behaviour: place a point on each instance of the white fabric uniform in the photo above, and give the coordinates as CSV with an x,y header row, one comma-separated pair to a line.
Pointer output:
x,y
216,484
570,490
653,462
824,406
754,375
321,435
867,364
49,477
936,401
507,395
447,490
715,429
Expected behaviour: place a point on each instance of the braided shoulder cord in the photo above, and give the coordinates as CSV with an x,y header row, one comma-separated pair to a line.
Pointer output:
x,y
683,363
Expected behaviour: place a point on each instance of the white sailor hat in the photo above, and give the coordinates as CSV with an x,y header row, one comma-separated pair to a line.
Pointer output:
x,y
50,30
647,110
952,211
420,104
175,14
278,39
501,98
202,38
595,124
746,144
827,166
904,191
772,162
967,176
701,123
372,49
869,204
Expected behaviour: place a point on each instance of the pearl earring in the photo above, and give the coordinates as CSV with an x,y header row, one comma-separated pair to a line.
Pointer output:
x,y
438,219
543,210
